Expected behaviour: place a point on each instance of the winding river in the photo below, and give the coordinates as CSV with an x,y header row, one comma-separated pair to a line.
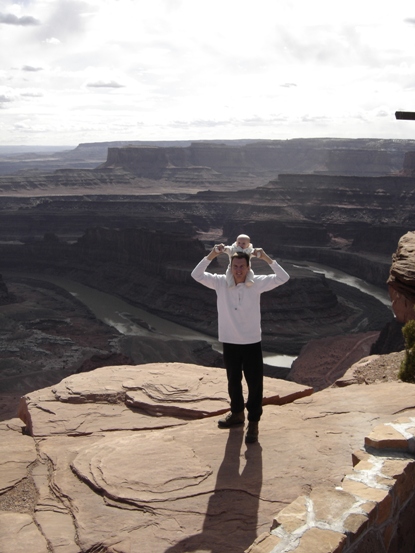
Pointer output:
x,y
130,320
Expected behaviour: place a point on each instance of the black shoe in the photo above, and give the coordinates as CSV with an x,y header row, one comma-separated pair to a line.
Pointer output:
x,y
232,419
252,433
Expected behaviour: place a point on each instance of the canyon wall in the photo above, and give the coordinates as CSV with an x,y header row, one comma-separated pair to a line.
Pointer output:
x,y
174,158
151,269
349,214
347,157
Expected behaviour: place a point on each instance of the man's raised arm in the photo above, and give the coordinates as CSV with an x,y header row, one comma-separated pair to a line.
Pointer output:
x,y
281,274
199,272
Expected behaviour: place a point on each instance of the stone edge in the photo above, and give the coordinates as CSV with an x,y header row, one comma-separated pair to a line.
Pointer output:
x,y
365,507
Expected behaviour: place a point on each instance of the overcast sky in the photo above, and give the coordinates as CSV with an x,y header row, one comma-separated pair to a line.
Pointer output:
x,y
75,71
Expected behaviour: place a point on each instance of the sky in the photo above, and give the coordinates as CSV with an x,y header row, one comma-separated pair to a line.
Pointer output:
x,y
76,71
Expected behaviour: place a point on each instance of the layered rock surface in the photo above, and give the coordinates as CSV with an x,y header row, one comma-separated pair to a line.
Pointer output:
x,y
364,156
368,157
130,458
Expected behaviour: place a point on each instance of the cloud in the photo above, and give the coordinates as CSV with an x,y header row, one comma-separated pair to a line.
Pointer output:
x,y
209,69
4,100
105,84
383,113
24,21
65,20
197,123
31,68
52,40
30,128
32,94
315,119
254,121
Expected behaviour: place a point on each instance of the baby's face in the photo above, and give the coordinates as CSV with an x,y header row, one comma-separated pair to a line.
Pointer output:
x,y
242,242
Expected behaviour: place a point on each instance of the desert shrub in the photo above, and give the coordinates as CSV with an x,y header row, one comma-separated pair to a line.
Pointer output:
x,y
407,368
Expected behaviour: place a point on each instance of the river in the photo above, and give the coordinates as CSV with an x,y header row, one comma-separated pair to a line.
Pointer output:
x,y
339,276
130,320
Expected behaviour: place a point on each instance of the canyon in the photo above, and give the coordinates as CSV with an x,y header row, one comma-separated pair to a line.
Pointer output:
x,y
138,222
333,469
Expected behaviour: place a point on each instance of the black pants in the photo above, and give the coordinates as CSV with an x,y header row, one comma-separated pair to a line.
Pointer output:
x,y
245,359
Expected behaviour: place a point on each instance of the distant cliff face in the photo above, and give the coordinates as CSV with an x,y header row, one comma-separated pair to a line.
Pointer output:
x,y
358,157
147,251
334,155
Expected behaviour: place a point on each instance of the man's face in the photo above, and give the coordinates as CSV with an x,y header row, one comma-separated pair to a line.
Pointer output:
x,y
239,269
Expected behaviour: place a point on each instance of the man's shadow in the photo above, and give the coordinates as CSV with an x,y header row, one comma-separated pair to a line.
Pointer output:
x,y
232,514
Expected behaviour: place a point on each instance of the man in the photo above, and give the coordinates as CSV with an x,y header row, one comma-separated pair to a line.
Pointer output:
x,y
239,328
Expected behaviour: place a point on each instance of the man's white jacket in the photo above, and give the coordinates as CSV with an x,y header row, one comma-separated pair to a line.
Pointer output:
x,y
239,310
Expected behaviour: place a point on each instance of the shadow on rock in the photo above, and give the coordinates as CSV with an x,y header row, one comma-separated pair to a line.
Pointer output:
x,y
232,514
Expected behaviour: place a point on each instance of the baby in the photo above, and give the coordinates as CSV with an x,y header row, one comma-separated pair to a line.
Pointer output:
x,y
242,244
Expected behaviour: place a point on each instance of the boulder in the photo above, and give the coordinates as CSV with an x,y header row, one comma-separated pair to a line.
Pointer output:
x,y
322,362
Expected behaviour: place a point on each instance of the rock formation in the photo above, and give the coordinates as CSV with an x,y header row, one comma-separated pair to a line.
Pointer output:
x,y
323,362
338,156
129,458
401,282
356,157
401,286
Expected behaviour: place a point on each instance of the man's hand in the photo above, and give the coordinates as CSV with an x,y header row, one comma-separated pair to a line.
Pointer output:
x,y
217,249
259,252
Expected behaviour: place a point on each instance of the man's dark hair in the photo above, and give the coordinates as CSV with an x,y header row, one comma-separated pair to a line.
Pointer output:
x,y
241,255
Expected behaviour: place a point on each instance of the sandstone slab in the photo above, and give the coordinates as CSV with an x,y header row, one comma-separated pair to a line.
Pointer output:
x,y
224,474
192,486
321,541
136,397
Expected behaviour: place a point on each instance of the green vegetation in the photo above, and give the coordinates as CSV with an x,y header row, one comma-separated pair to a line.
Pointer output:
x,y
407,368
